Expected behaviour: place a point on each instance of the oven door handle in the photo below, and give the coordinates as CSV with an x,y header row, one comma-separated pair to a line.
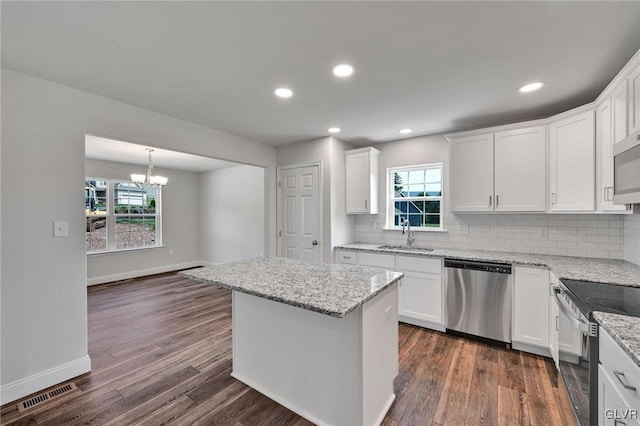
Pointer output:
x,y
575,321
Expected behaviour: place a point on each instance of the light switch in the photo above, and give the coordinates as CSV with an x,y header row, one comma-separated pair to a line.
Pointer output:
x,y
60,228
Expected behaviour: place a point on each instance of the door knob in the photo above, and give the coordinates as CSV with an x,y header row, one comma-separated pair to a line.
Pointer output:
x,y
314,242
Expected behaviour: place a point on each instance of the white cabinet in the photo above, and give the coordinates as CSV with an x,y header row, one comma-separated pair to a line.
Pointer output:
x,y
605,136
531,307
619,118
520,170
618,385
504,171
634,101
572,163
361,177
420,296
472,174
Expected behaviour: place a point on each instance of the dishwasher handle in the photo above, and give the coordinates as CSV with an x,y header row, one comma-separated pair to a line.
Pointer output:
x,y
498,268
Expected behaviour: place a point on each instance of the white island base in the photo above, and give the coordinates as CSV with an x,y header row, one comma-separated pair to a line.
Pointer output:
x,y
331,371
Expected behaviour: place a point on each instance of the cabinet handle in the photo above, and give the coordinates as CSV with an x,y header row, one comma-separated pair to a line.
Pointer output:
x,y
365,204
608,193
620,375
553,197
346,257
489,200
557,323
497,200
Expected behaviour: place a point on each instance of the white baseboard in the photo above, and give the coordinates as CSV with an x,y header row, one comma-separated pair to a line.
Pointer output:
x,y
143,272
44,379
422,323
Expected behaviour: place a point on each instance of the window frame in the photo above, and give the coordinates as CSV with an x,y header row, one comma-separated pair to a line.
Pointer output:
x,y
391,199
111,218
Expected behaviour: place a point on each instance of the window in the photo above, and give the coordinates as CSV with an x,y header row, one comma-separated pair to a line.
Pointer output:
x,y
121,215
415,194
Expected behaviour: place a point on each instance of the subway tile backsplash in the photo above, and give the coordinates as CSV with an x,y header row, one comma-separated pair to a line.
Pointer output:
x,y
598,236
631,237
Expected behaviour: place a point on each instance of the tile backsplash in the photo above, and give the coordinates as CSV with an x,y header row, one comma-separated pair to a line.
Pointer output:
x,y
591,235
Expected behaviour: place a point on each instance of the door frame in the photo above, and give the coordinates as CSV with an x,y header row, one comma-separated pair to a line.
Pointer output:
x,y
279,170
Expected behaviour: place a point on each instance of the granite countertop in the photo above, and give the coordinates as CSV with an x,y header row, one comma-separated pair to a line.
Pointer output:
x,y
624,329
329,289
574,268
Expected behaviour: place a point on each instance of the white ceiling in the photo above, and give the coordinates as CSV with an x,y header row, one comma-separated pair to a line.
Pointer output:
x,y
99,148
432,66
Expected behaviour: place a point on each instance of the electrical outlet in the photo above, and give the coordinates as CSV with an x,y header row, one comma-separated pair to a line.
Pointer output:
x,y
463,229
543,233
60,228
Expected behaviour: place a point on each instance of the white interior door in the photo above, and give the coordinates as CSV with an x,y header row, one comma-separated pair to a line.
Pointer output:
x,y
300,214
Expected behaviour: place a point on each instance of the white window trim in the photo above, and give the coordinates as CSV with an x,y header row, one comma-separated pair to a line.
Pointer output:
x,y
389,225
111,217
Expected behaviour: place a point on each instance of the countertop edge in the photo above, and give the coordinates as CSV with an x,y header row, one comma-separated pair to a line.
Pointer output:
x,y
306,306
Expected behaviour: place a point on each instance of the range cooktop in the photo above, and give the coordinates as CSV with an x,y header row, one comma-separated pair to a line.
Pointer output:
x,y
615,299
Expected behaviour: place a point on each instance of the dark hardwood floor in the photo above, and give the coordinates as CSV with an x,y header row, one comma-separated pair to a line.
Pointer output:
x,y
161,354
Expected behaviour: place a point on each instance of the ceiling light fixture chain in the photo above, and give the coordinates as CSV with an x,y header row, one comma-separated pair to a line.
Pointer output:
x,y
148,180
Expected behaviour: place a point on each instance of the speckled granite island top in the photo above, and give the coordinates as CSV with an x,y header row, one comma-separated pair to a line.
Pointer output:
x,y
574,268
329,289
624,329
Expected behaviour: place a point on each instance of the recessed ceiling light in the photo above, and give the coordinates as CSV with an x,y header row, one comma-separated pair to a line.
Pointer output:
x,y
333,130
531,87
405,131
283,92
343,70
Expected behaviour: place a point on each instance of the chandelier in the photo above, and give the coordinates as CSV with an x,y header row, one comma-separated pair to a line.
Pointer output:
x,y
149,180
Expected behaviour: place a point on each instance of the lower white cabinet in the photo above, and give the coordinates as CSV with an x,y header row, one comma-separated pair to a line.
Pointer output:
x,y
420,295
531,309
618,385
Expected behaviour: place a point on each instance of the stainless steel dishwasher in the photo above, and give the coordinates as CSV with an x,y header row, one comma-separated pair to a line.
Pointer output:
x,y
478,298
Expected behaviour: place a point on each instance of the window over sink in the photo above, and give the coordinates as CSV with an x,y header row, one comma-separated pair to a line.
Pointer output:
x,y
414,193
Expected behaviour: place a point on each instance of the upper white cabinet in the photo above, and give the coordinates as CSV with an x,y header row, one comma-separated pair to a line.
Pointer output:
x,y
611,122
503,171
472,174
520,170
362,180
572,163
634,101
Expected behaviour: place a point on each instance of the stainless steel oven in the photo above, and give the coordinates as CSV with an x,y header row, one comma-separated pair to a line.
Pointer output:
x,y
626,170
577,356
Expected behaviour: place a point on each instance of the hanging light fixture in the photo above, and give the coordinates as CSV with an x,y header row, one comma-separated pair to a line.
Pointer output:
x,y
148,180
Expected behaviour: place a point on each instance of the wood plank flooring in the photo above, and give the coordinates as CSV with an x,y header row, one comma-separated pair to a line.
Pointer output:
x,y
161,354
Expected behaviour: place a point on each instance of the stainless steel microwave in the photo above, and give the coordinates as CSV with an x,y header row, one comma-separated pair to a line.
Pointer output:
x,y
626,170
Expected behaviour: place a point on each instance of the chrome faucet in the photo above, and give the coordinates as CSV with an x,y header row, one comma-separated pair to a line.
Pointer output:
x,y
411,237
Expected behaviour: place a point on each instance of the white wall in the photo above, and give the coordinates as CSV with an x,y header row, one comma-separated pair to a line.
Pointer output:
x,y
231,221
180,211
586,235
43,279
342,225
632,236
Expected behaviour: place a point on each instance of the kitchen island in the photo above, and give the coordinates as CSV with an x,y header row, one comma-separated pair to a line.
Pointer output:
x,y
320,339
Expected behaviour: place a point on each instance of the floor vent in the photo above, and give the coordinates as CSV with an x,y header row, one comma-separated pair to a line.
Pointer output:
x,y
46,396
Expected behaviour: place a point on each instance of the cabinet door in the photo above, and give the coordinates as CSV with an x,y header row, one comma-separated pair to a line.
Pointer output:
x,y
612,408
472,174
634,101
604,157
346,257
572,163
619,112
520,170
357,183
420,297
531,307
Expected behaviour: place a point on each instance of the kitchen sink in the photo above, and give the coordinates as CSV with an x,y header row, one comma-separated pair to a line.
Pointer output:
x,y
405,248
